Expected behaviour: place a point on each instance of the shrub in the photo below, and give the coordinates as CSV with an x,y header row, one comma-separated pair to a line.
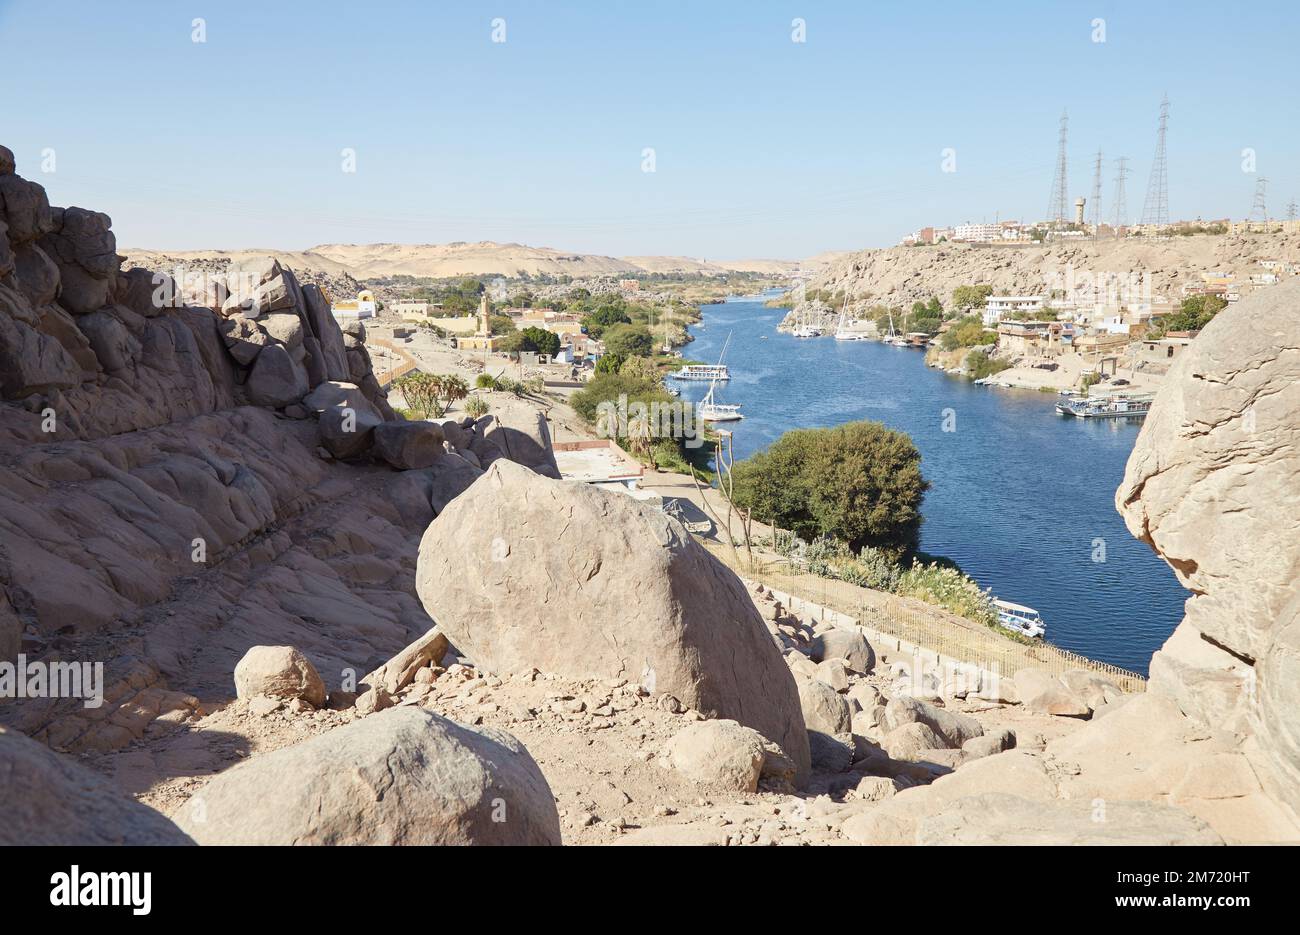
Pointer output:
x,y
477,407
980,365
860,482
431,394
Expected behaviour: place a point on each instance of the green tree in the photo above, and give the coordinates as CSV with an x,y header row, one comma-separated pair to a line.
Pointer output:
x,y
501,324
967,331
629,340
540,341
859,482
964,297
605,317
1195,313
610,363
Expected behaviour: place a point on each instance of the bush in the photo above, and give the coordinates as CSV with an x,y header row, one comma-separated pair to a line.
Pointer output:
x,y
859,482
477,407
980,365
966,332
431,394
540,341
485,381
629,341
948,588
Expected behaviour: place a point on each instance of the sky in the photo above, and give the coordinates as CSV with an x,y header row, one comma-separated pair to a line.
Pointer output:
x,y
762,146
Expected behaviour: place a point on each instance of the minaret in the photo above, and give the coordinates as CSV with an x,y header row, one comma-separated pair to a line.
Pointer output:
x,y
484,326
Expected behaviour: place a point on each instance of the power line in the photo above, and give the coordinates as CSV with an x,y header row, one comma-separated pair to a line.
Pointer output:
x,y
1056,207
1096,197
1259,210
1121,201
1155,210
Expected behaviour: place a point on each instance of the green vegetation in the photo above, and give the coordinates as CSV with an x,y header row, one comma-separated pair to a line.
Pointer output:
x,y
485,381
477,407
968,331
859,482
925,317
629,341
640,434
540,341
935,581
606,316
431,394
1195,313
980,365
964,297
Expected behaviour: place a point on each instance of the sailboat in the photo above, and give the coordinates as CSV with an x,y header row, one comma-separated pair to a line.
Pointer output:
x,y
894,339
843,334
710,411
804,330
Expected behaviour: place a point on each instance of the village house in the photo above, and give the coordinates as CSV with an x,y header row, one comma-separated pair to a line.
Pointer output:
x,y
1001,306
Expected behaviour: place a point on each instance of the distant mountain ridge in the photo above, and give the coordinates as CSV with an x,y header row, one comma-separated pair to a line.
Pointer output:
x,y
484,258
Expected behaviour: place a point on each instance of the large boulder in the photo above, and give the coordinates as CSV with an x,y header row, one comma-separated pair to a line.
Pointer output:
x,y
522,572
722,754
824,709
1213,485
955,729
402,776
276,378
48,799
408,445
848,646
518,431
278,672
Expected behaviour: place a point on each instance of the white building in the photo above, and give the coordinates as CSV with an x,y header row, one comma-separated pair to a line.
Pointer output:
x,y
977,233
363,306
999,306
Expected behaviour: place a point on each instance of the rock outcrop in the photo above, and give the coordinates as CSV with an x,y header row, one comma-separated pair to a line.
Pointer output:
x,y
404,776
1213,485
49,800
524,572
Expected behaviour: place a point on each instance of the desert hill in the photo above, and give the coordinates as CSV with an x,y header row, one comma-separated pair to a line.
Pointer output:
x,y
441,261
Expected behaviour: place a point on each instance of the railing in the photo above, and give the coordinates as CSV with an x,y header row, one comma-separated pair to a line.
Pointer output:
x,y
391,373
915,622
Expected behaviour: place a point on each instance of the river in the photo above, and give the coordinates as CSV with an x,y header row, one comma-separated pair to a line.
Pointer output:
x,y
1021,498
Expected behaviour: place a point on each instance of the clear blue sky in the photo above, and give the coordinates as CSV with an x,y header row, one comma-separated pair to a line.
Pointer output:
x,y
763,146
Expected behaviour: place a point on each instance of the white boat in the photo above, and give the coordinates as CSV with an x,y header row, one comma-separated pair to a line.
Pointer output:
x,y
702,372
1105,407
711,411
1020,619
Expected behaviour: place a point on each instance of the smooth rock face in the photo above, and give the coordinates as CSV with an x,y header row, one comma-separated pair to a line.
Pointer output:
x,y
1213,485
1007,820
279,672
402,776
521,572
718,753
48,799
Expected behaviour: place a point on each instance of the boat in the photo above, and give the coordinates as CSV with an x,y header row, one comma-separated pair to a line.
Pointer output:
x,y
843,334
1105,407
702,372
1020,619
709,410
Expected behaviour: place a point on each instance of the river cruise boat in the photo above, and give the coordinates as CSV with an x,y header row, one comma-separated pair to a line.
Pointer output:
x,y
1105,407
707,373
1020,619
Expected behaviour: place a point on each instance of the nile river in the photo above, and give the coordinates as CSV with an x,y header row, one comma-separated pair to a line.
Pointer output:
x,y
1021,498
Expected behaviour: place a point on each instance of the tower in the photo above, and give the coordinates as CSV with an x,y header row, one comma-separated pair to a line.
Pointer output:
x,y
1078,210
1155,210
484,318
1259,210
1290,210
1056,207
1121,200
1096,196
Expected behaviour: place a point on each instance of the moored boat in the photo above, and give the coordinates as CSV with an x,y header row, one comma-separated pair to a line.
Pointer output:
x,y
1020,619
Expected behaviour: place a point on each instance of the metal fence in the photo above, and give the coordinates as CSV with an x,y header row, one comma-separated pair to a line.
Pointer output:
x,y
918,623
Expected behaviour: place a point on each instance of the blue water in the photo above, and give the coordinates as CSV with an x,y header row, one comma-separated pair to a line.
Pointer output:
x,y
1018,493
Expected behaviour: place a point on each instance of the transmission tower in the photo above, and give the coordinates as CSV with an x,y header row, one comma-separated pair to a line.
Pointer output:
x,y
1291,210
1056,208
1155,210
1259,210
1096,197
1121,200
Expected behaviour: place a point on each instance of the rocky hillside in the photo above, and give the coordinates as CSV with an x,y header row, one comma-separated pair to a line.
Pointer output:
x,y
899,276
